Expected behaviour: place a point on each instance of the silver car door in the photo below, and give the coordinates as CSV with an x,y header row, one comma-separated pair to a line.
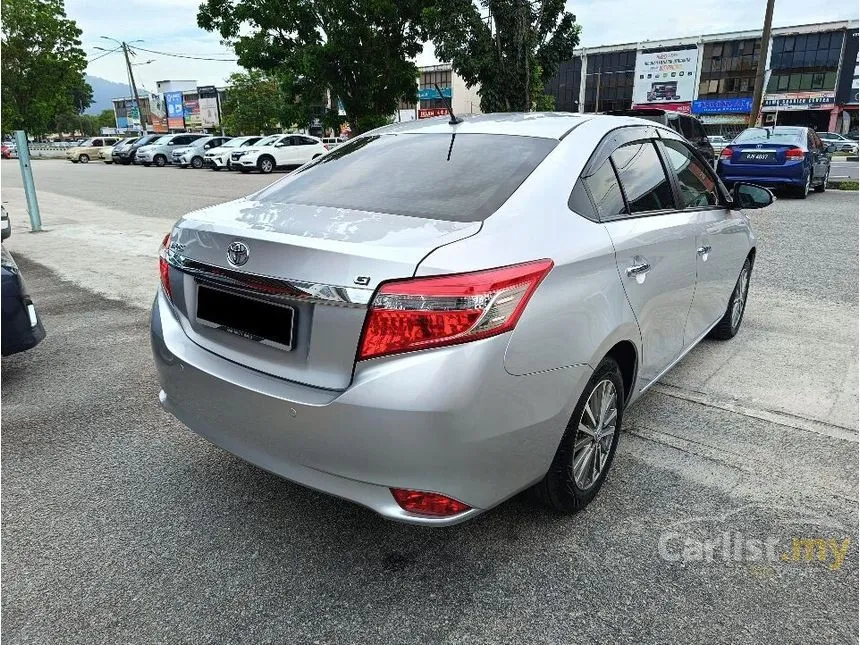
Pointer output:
x,y
654,251
721,237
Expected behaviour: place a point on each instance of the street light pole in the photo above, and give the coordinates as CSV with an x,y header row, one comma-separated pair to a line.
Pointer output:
x,y
762,61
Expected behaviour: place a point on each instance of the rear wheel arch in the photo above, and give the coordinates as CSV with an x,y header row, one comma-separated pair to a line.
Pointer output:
x,y
624,353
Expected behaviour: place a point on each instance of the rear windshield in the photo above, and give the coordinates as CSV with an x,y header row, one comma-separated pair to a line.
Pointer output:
x,y
454,177
771,135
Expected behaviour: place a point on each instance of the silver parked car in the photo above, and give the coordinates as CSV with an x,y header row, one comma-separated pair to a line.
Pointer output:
x,y
159,152
433,336
192,154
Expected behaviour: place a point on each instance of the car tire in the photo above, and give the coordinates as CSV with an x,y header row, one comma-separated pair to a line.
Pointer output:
x,y
568,487
266,164
84,158
823,186
731,321
196,163
160,161
803,191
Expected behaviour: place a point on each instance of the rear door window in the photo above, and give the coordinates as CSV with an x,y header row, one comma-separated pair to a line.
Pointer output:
x,y
643,178
697,185
97,143
455,177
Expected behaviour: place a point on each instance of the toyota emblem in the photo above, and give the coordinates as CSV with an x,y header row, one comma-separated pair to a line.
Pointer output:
x,y
238,253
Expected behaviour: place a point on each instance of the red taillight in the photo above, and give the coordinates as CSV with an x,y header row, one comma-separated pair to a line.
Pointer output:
x,y
794,153
164,267
726,153
420,313
435,504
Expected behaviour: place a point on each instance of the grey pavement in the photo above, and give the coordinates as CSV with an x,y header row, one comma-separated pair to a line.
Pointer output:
x,y
840,169
120,525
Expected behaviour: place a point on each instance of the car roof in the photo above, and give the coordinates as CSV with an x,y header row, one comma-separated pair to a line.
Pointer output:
x,y
549,125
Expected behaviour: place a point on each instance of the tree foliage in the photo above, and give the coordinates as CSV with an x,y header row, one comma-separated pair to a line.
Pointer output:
x,y
358,51
253,105
42,66
510,48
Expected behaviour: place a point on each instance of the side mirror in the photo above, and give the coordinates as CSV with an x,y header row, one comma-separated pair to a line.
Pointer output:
x,y
751,196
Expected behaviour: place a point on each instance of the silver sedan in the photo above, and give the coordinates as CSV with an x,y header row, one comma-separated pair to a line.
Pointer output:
x,y
437,315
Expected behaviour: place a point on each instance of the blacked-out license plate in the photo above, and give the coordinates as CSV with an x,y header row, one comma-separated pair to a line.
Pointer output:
x,y
251,318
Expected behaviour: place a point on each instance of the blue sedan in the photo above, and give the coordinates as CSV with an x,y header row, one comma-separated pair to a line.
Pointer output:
x,y
777,157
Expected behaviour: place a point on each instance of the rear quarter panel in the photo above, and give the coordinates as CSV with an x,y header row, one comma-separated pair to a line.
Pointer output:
x,y
579,311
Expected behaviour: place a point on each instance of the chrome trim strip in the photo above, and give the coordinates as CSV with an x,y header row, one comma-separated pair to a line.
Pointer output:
x,y
271,287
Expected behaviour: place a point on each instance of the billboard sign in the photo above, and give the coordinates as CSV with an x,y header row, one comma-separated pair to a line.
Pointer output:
x,y
173,102
208,106
429,113
722,106
668,76
683,108
849,83
799,101
191,111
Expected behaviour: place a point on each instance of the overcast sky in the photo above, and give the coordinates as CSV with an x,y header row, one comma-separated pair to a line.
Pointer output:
x,y
171,26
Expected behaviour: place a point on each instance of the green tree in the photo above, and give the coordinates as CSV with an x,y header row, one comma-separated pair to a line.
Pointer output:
x,y
511,51
106,119
42,66
253,104
359,51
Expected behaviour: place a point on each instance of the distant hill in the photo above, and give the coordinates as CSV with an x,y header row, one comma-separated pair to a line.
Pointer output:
x,y
105,90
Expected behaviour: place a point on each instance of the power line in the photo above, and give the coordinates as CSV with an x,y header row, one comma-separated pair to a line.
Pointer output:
x,y
152,51
103,55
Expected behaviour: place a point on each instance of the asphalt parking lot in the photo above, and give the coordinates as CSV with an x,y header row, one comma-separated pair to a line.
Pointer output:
x,y
120,525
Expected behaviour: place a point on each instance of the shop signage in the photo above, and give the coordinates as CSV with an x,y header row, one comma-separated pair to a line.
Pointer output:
x,y
662,77
799,101
726,119
191,112
683,108
208,106
722,106
430,93
427,113
173,101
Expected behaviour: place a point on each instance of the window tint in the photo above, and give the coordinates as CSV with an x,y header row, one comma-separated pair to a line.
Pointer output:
x,y
306,141
642,177
697,185
380,174
603,186
97,142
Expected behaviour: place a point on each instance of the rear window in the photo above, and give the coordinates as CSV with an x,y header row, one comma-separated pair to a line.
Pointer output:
x,y
453,177
772,135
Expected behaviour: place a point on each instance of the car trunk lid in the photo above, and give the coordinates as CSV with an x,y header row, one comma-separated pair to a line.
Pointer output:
x,y
768,154
310,268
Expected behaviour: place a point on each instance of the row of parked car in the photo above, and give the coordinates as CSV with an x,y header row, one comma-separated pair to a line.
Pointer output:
x,y
247,153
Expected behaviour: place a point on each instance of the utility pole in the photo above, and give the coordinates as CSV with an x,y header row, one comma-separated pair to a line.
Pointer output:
x,y
758,92
134,88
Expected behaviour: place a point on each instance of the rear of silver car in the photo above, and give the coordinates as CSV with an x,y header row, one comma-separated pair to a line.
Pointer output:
x,y
291,310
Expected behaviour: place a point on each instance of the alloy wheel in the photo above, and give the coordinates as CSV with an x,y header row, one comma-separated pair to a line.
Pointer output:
x,y
740,297
266,165
594,435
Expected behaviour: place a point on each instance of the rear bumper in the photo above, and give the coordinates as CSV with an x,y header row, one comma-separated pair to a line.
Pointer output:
x,y
793,174
448,420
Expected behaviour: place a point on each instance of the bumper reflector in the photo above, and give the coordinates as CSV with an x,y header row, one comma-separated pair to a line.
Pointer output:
x,y
433,504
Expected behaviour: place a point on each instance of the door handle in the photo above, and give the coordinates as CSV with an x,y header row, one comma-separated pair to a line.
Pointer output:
x,y
704,250
640,268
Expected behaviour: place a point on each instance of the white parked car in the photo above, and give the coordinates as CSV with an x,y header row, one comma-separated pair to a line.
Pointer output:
x,y
219,157
839,141
278,151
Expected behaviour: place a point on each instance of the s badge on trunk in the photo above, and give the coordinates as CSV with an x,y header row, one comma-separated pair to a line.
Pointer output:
x,y
238,253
